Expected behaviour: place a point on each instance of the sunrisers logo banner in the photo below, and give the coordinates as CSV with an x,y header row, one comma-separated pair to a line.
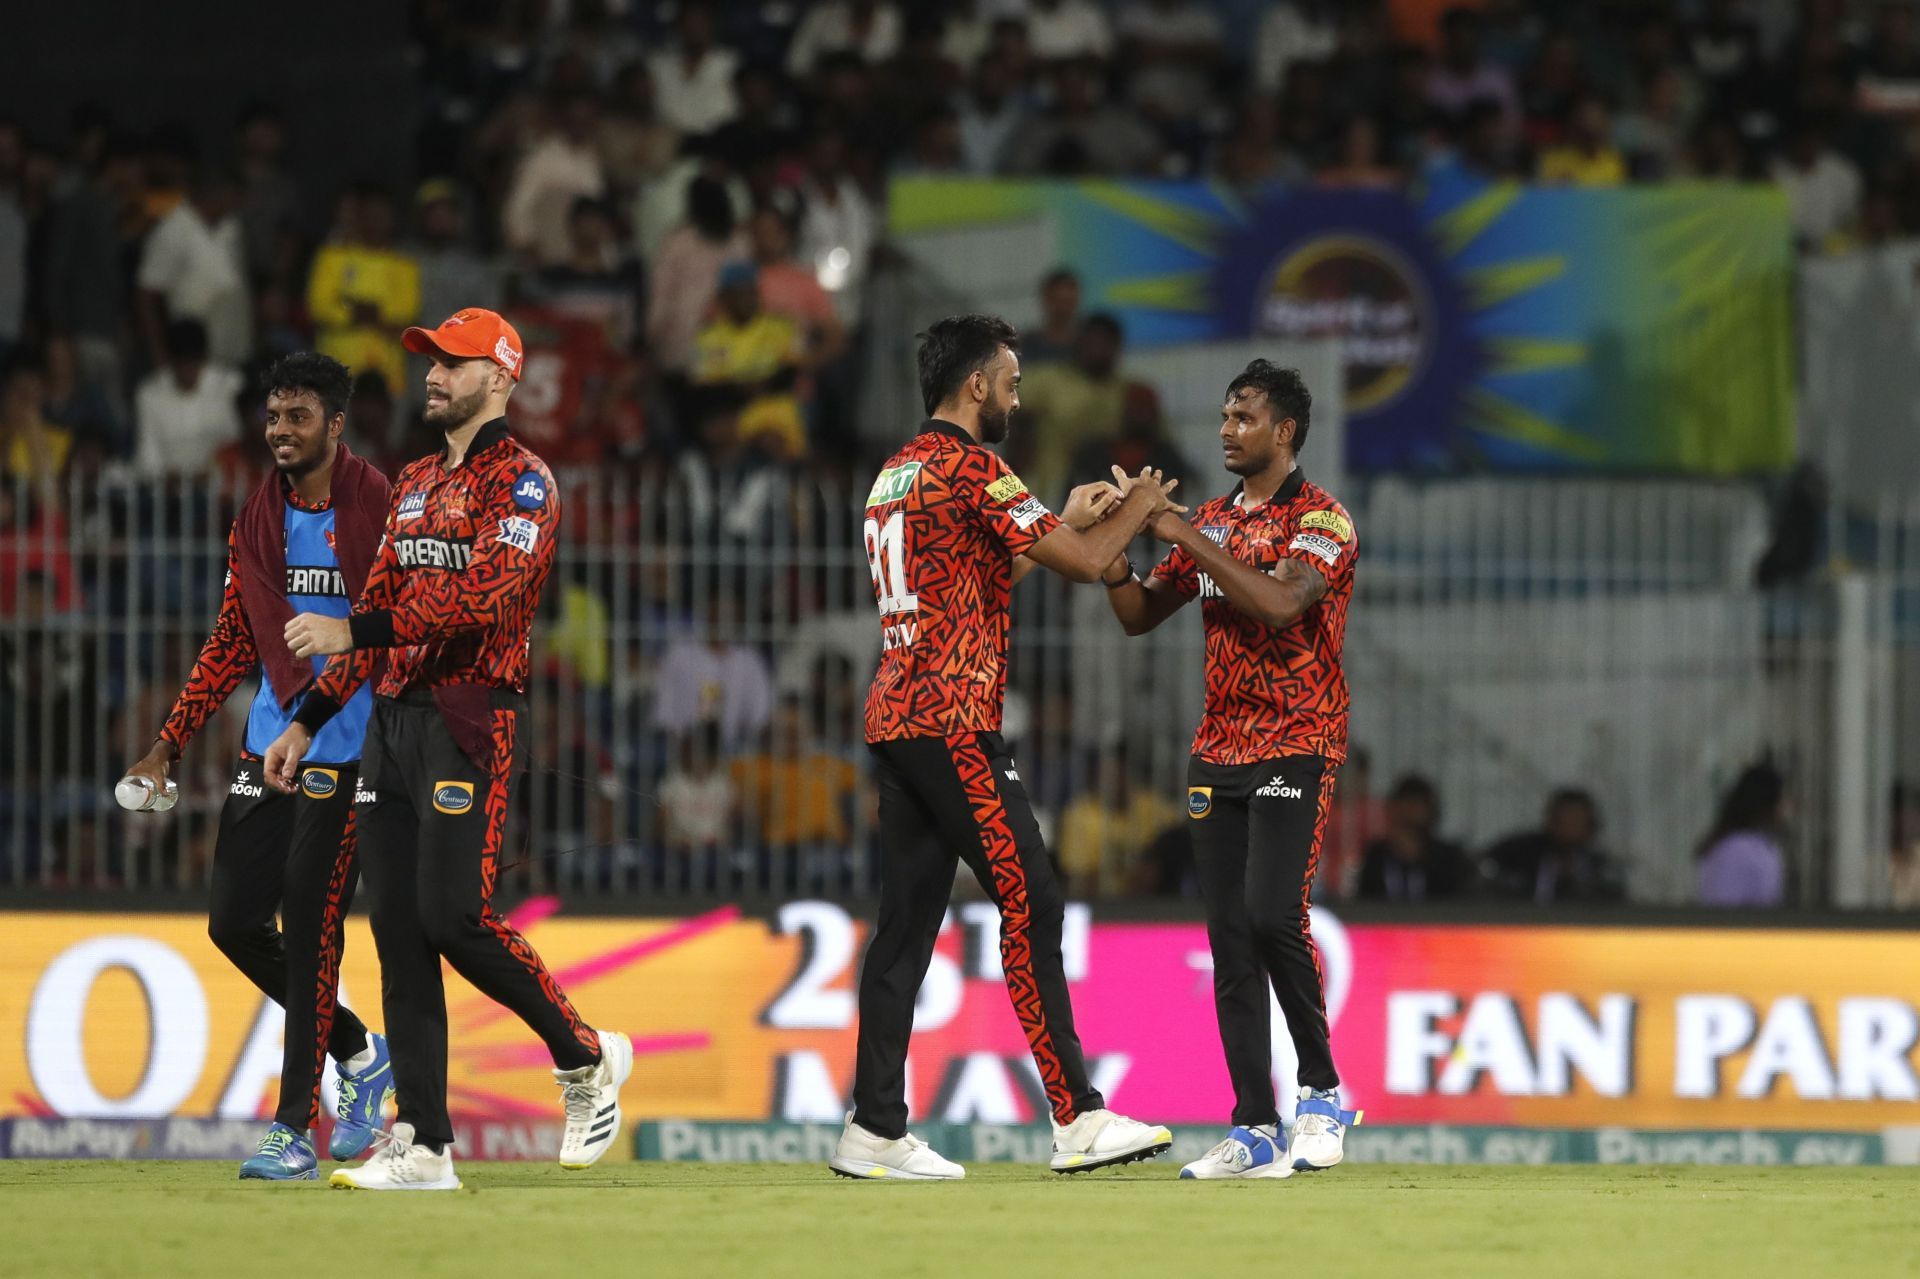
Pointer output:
x,y
736,1017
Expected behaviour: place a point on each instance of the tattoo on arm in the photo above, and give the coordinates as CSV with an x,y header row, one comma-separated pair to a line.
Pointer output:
x,y
1304,578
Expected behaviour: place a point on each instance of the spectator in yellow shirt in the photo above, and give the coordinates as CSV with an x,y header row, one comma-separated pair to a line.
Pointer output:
x,y
795,795
758,354
1586,157
1103,831
363,291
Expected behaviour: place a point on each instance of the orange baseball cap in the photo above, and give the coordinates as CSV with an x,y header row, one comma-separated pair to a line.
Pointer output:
x,y
473,334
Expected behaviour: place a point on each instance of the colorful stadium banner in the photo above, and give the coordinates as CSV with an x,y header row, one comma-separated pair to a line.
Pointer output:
x,y
1485,326
742,1018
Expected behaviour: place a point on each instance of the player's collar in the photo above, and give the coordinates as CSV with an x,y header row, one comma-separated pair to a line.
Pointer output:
x,y
940,426
483,439
1288,490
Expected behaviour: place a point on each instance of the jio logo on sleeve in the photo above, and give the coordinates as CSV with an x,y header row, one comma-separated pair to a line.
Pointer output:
x,y
530,492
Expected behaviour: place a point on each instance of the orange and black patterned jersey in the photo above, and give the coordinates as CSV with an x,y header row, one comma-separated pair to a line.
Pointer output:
x,y
944,521
455,585
1272,692
225,660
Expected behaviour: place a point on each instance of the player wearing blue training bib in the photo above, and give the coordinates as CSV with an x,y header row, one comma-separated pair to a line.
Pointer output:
x,y
302,544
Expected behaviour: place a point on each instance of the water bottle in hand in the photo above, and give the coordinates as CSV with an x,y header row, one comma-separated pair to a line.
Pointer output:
x,y
137,795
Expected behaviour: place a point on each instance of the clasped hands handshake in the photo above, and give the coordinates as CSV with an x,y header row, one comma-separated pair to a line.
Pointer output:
x,y
1088,504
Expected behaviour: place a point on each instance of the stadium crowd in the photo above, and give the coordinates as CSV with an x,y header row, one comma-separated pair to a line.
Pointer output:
x,y
682,207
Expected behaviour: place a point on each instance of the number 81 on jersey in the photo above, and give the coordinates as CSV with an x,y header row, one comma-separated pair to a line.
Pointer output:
x,y
887,556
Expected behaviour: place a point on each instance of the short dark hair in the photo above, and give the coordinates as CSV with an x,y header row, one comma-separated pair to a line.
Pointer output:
x,y
186,340
954,349
1059,275
1286,393
321,376
1415,786
1575,797
1105,322
588,206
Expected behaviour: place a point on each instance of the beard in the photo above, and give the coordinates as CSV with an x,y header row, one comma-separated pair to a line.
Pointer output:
x,y
995,421
455,414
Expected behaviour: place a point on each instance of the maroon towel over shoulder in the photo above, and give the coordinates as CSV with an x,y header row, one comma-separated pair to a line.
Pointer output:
x,y
359,494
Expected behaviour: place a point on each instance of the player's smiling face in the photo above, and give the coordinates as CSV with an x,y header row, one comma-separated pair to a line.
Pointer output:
x,y
298,433
1250,439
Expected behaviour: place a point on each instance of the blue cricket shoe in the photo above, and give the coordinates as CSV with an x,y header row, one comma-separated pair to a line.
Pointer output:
x,y
1248,1154
285,1154
363,1103
1320,1129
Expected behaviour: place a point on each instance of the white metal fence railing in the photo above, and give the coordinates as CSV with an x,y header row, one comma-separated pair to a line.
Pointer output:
x,y
706,642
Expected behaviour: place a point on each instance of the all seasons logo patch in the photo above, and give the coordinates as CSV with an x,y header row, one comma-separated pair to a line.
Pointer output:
x,y
452,798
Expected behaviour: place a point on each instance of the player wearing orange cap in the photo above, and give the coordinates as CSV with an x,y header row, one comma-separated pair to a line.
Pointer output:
x,y
451,599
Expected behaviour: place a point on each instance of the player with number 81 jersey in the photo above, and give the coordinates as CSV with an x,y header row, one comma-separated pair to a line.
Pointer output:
x,y
943,522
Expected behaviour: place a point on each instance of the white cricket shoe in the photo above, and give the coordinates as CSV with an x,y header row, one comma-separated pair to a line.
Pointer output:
x,y
1248,1154
1101,1139
591,1096
865,1156
398,1164
1320,1130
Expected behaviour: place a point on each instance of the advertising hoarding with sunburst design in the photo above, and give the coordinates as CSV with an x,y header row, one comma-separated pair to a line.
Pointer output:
x,y
1485,326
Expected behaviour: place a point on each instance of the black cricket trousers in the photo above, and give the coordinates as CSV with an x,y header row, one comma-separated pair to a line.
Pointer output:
x,y
432,823
292,855
1256,844
945,800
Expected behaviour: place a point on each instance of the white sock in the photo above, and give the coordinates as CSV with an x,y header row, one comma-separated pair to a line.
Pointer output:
x,y
359,1061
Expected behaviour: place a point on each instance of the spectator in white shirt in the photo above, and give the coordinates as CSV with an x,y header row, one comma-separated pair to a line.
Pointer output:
x,y
838,226
1172,49
863,27
965,32
698,806
1823,188
193,267
693,81
714,677
561,167
1464,76
1064,29
188,409
990,115
1303,31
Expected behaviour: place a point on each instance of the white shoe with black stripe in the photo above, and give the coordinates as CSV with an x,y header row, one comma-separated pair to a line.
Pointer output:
x,y
591,1095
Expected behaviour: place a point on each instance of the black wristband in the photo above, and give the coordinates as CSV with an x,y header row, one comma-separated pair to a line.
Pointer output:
x,y
371,629
1130,577
316,710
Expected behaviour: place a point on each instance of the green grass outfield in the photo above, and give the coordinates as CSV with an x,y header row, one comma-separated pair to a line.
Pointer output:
x,y
524,1221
